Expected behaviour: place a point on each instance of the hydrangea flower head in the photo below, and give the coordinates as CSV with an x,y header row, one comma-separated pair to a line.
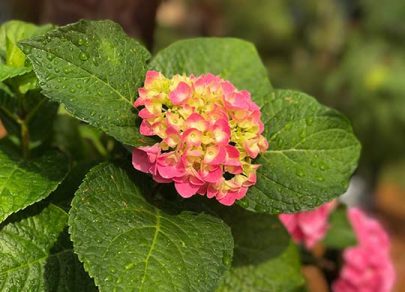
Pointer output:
x,y
367,266
210,133
308,227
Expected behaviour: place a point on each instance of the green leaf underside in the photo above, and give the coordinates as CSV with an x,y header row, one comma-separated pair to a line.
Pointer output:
x,y
265,258
34,255
23,183
94,69
312,154
340,234
233,59
127,244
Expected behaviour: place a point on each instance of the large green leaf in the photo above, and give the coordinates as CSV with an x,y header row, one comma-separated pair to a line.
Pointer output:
x,y
23,183
265,259
312,154
14,68
36,255
233,59
127,244
13,31
94,69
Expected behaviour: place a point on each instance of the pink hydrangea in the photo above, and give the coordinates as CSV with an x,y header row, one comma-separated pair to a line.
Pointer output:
x,y
210,133
310,226
367,266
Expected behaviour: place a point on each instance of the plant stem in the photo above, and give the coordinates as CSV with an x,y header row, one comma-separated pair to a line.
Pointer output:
x,y
25,139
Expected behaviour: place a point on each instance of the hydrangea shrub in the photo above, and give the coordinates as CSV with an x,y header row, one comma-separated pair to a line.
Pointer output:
x,y
201,120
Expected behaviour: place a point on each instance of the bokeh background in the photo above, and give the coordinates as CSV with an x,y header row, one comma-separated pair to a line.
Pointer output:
x,y
349,54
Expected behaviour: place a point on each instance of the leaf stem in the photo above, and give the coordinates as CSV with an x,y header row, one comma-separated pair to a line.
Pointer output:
x,y
25,139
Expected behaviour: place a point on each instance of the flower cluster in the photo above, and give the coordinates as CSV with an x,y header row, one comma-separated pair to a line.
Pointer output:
x,y
367,266
310,226
209,131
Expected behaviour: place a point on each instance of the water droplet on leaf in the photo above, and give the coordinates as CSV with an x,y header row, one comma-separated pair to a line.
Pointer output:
x,y
129,266
244,203
83,56
227,260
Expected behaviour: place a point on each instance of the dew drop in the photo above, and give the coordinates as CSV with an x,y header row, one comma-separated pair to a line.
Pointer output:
x,y
26,49
320,178
50,56
300,173
129,266
227,260
72,90
83,56
244,203
95,62
81,42
310,121
322,166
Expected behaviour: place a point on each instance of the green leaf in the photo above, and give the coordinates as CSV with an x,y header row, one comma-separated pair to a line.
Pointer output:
x,y
13,31
340,234
23,183
94,69
233,59
127,244
36,255
36,110
63,195
4,90
7,72
312,154
41,113
265,259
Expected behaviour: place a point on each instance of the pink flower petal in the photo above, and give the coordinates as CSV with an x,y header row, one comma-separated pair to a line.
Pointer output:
x,y
222,131
146,129
140,160
186,189
151,76
213,176
180,94
196,121
215,155
228,200
145,114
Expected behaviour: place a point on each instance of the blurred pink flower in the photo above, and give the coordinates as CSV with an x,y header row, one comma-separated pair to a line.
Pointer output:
x,y
210,133
367,266
310,226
